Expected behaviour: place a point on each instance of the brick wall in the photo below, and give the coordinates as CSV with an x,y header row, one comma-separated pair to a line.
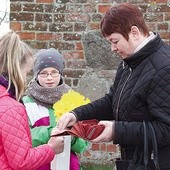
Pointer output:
x,y
61,24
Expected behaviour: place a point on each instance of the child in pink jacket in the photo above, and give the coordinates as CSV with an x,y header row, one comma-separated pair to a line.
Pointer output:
x,y
16,151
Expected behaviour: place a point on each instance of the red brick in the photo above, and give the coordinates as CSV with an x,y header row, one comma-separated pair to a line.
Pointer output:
x,y
43,17
167,17
163,26
87,154
48,36
35,26
165,35
111,148
71,36
33,7
44,36
73,73
103,8
79,46
15,7
20,16
95,147
103,147
16,26
164,8
27,36
56,36
61,45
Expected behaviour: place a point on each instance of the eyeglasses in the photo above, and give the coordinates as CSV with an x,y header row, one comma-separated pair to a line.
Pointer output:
x,y
53,74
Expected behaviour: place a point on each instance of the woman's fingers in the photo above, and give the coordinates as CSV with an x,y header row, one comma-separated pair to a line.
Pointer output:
x,y
68,119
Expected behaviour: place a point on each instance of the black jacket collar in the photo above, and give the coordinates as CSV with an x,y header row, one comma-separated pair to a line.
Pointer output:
x,y
150,48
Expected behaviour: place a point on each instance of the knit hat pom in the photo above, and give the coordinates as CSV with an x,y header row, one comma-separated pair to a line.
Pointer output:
x,y
48,58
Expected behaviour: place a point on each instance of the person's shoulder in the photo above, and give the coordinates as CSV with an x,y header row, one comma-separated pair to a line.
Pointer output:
x,y
161,58
165,50
8,104
6,99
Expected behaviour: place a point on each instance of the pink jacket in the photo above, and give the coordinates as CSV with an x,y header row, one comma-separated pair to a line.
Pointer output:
x,y
16,152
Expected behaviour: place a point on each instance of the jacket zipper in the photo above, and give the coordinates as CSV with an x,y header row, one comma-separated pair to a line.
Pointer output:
x,y
118,103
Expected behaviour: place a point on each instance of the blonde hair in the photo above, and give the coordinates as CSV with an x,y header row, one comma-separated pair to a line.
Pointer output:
x,y
14,53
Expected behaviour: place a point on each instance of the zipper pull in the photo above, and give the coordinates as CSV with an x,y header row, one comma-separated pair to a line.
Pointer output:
x,y
123,65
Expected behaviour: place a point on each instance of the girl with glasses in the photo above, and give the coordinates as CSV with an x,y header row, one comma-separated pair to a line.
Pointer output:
x,y
43,91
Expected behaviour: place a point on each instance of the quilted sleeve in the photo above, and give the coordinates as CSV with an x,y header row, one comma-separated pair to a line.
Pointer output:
x,y
17,144
159,105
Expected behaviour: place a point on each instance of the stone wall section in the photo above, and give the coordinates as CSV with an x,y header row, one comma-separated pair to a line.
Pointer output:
x,y
73,27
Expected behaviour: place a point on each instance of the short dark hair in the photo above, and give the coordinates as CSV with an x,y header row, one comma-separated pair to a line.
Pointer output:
x,y
120,19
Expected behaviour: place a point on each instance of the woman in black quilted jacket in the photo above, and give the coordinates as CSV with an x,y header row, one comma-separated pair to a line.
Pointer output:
x,y
141,91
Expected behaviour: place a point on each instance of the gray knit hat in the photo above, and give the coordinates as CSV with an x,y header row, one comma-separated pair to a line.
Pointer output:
x,y
48,58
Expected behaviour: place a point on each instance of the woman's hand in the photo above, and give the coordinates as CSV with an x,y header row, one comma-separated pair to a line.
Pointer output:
x,y
68,119
108,133
57,144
